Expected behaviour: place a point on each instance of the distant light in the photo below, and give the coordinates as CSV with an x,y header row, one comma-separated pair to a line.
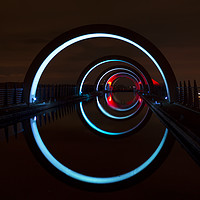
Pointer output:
x,y
109,83
35,118
33,99
156,102
166,97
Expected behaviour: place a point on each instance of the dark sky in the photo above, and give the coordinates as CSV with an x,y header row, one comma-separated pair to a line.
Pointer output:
x,y
27,26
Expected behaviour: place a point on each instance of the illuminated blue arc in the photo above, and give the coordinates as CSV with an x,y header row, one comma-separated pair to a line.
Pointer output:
x,y
116,117
81,38
89,179
98,129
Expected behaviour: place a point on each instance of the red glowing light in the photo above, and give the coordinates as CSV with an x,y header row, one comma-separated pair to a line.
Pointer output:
x,y
155,82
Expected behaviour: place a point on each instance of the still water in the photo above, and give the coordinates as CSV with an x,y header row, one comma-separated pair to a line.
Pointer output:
x,y
96,138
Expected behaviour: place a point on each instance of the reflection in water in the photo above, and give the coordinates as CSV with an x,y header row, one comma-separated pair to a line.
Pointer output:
x,y
44,117
11,130
97,122
120,103
57,113
100,128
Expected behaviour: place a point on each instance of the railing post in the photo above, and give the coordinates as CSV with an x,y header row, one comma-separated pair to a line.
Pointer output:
x,y
196,98
52,93
181,93
48,92
65,91
177,95
190,99
44,93
185,94
61,95
56,92
6,95
22,94
15,94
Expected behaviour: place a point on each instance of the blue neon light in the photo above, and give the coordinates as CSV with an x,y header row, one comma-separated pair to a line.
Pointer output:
x,y
81,38
112,116
85,178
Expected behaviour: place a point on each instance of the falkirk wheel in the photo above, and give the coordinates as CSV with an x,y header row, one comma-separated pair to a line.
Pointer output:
x,y
125,68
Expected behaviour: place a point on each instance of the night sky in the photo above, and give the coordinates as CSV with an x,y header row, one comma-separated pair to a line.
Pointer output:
x,y
27,26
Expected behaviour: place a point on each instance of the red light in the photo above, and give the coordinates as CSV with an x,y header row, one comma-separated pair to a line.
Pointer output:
x,y
155,82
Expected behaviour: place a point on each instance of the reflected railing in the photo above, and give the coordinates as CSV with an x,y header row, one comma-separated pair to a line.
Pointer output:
x,y
44,117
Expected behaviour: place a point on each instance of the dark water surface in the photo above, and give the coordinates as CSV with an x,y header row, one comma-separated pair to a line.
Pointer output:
x,y
76,145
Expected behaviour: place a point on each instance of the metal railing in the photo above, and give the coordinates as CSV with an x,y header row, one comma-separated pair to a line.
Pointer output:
x,y
189,95
13,93
55,92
